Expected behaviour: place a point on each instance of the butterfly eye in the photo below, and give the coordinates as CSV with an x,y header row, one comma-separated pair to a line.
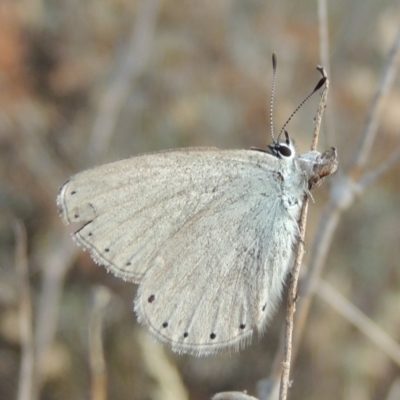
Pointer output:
x,y
284,151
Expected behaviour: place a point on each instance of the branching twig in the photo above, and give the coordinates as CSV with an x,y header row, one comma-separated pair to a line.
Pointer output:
x,y
370,177
360,320
367,136
343,194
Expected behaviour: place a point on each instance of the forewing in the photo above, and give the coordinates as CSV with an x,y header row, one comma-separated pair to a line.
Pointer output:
x,y
129,209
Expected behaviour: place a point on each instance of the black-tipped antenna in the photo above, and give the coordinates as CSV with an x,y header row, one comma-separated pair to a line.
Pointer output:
x,y
271,106
319,85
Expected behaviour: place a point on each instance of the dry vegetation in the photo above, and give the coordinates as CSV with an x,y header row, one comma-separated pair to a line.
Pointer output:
x,y
92,81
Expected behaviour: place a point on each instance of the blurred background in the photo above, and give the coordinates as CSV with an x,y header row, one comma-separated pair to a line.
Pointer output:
x,y
86,82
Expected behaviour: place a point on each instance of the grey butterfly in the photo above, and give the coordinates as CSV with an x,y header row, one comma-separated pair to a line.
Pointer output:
x,y
206,233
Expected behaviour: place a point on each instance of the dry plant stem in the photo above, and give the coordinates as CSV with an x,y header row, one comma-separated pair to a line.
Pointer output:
x,y
318,118
331,216
329,221
332,213
27,389
98,370
294,276
130,65
291,307
360,320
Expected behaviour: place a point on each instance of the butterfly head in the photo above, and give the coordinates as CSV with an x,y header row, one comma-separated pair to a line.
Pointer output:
x,y
285,150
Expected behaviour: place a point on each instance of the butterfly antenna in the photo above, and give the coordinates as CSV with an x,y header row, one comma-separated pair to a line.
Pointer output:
x,y
271,106
317,87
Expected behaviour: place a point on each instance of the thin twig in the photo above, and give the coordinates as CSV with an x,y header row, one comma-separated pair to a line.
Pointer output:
x,y
320,111
343,194
26,386
294,276
360,320
291,307
323,238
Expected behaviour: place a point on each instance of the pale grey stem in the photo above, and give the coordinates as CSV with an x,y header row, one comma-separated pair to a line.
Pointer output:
x,y
367,137
359,320
27,389
56,264
370,177
129,66
98,368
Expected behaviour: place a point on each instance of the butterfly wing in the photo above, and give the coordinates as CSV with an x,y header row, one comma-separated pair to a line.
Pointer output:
x,y
130,207
204,231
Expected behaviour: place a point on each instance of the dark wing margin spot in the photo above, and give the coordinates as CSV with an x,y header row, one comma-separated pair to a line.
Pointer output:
x,y
151,298
213,336
242,326
90,234
73,192
107,250
185,335
165,324
264,307
128,264
76,215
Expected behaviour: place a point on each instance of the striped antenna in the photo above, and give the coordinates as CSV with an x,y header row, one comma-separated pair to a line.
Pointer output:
x,y
319,85
271,106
